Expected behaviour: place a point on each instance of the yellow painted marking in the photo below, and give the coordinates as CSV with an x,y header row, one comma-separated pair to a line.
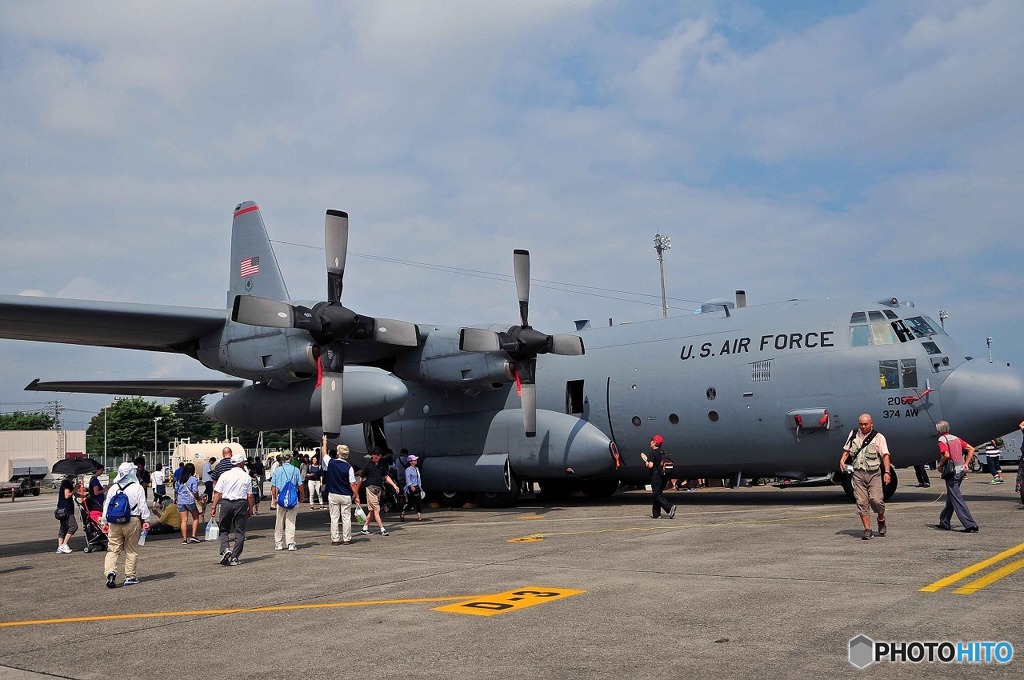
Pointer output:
x,y
240,610
973,569
499,603
977,584
531,517
535,538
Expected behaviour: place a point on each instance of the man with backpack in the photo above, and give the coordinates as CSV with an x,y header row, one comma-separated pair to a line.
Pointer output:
x,y
286,489
125,516
868,455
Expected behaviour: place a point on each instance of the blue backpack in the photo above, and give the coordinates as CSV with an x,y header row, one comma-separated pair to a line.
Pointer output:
x,y
119,510
288,496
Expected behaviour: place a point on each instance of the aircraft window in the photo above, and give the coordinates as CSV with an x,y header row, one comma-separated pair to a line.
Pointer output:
x,y
713,416
889,374
902,332
937,327
875,316
908,371
858,317
931,348
673,418
859,336
889,314
921,327
636,421
882,334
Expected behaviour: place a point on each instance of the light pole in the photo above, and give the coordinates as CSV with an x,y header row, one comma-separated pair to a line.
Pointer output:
x,y
661,244
104,437
988,341
156,419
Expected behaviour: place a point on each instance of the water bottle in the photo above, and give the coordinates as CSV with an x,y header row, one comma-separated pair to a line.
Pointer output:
x,y
142,537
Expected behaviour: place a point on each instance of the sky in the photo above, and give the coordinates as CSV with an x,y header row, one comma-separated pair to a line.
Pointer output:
x,y
790,149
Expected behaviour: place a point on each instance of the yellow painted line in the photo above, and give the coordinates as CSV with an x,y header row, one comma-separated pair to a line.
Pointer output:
x,y
531,517
512,600
240,610
977,584
973,569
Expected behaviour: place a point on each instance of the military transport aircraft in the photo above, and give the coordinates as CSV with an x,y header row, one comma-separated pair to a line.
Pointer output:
x,y
761,391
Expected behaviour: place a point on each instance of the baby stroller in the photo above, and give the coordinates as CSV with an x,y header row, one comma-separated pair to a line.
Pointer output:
x,y
95,539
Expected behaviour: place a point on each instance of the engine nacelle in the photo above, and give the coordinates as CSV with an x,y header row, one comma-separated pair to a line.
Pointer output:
x,y
275,358
440,363
367,394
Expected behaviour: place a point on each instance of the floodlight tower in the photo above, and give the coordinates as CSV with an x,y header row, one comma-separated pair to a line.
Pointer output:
x,y
661,244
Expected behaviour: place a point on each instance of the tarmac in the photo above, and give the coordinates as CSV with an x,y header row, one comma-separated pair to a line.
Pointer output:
x,y
745,582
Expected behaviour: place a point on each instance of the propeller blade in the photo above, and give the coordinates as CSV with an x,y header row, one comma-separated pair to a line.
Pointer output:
x,y
568,345
526,374
478,340
336,251
257,311
521,270
332,363
396,332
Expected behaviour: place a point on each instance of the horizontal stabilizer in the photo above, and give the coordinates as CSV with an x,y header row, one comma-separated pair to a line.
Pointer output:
x,y
139,388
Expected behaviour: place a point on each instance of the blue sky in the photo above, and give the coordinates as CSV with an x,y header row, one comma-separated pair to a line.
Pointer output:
x,y
791,149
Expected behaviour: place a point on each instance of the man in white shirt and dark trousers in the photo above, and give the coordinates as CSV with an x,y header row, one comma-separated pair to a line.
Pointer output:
x,y
233,492
125,537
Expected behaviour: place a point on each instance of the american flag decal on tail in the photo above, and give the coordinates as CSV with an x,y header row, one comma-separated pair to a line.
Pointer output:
x,y
250,266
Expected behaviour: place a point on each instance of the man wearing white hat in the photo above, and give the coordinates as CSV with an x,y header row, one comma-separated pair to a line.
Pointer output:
x,y
123,532
233,493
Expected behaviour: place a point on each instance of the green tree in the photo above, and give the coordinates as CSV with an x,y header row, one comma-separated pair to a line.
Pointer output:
x,y
130,428
20,420
191,421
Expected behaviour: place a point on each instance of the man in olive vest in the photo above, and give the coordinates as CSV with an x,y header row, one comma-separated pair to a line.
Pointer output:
x,y
868,454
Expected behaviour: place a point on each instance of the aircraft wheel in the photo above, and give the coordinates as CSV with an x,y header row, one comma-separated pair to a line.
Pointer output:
x,y
557,489
847,482
598,489
889,489
502,499
452,499
35,491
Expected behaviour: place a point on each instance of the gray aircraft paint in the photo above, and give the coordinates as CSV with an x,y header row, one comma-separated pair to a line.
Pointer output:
x,y
723,388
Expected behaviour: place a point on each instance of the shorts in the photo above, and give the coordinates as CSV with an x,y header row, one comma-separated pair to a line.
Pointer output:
x,y
188,507
372,499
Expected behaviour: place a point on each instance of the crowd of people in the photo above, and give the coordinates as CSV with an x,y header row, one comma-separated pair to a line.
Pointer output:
x,y
118,514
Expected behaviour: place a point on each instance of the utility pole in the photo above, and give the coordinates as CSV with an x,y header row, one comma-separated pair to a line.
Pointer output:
x,y
105,437
661,244
59,427
156,419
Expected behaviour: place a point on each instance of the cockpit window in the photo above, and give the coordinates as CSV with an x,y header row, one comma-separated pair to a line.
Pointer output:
x,y
921,326
889,314
858,317
931,348
875,316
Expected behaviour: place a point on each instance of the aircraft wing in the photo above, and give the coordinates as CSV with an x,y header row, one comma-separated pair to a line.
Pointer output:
x,y
139,388
126,325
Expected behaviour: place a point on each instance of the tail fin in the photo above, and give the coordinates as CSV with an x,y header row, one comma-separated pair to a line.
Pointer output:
x,y
254,268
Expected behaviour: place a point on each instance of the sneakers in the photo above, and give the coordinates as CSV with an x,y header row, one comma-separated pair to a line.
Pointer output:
x,y
131,581
881,527
365,531
995,480
279,547
194,540
111,578
867,535
346,542
225,558
292,546
184,542
672,513
383,531
233,562
64,549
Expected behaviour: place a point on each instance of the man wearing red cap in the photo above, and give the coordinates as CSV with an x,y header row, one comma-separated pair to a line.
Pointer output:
x,y
655,464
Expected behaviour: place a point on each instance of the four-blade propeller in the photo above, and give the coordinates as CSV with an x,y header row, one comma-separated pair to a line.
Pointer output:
x,y
522,344
330,324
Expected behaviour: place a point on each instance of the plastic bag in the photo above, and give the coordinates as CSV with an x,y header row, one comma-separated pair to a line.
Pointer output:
x,y
212,531
360,513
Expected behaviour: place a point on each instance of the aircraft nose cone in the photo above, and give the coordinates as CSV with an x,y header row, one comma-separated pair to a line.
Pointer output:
x,y
982,401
